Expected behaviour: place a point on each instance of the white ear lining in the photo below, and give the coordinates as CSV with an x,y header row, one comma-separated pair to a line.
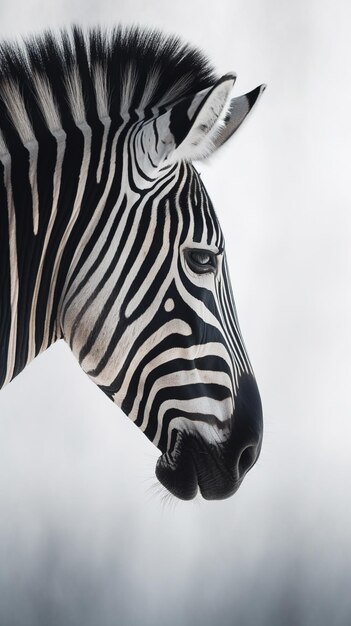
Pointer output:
x,y
207,115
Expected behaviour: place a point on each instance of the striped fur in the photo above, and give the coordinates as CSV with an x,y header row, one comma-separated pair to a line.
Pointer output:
x,y
99,208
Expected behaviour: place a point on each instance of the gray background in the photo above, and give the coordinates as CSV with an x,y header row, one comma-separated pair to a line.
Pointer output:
x,y
87,537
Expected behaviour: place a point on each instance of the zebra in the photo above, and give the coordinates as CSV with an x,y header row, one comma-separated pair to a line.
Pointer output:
x,y
110,241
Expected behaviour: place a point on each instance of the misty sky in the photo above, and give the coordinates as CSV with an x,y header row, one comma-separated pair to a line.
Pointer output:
x,y
87,536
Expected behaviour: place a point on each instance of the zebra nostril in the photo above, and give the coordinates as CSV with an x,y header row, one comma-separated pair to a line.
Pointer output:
x,y
247,459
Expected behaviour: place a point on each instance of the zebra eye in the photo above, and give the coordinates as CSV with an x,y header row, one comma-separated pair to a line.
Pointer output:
x,y
201,261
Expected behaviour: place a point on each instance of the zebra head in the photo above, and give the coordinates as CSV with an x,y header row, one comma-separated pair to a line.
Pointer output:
x,y
151,315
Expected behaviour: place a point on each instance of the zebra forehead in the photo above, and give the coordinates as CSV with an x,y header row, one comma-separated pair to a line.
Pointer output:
x,y
76,74
197,201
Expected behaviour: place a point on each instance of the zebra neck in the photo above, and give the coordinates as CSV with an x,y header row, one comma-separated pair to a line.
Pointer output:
x,y
48,193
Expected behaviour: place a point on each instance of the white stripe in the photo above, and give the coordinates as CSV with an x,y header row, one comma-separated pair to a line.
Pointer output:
x,y
33,149
11,95
75,96
3,147
107,123
60,137
99,76
46,102
13,263
86,131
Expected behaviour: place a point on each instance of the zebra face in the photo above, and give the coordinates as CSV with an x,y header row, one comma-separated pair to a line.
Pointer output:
x,y
160,337
110,241
189,385
151,316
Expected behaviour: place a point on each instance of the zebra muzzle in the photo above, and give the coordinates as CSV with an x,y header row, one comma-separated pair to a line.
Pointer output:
x,y
217,468
195,464
204,466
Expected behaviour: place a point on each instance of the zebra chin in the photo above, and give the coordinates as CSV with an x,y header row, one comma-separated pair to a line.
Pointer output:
x,y
217,469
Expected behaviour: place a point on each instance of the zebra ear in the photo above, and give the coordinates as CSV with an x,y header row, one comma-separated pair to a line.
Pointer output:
x,y
187,129
238,111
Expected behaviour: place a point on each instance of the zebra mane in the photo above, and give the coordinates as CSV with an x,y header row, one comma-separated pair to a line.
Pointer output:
x,y
51,81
